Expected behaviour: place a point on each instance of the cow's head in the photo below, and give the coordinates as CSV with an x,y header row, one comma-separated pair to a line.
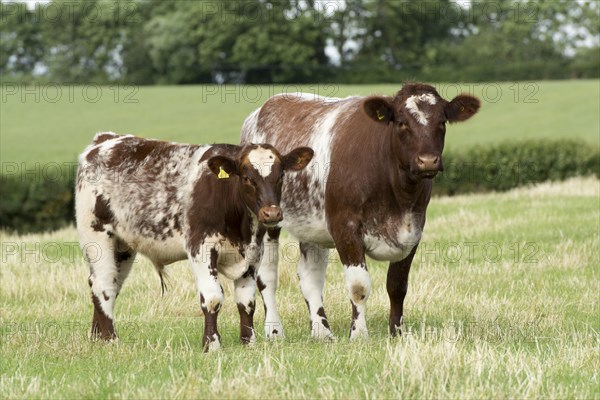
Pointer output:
x,y
260,169
418,117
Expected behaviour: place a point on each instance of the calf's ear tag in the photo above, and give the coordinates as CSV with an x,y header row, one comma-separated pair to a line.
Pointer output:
x,y
379,115
222,174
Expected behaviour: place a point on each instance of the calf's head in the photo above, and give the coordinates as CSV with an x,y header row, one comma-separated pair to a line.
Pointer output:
x,y
259,169
417,116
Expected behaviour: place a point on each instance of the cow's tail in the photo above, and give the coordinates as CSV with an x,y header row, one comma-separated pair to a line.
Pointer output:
x,y
164,278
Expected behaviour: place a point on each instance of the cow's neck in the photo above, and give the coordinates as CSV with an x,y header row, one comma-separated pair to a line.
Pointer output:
x,y
409,192
238,219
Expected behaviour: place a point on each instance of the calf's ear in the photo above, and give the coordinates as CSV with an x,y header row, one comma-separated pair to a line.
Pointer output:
x,y
297,159
462,107
379,109
222,163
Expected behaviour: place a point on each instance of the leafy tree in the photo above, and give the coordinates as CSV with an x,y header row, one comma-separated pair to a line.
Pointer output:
x,y
266,41
398,33
83,40
172,42
346,27
509,40
288,39
21,41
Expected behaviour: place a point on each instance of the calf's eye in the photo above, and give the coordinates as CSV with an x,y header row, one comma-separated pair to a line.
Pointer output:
x,y
249,182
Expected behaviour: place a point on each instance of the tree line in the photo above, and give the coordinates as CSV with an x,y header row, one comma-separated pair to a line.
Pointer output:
x,y
298,41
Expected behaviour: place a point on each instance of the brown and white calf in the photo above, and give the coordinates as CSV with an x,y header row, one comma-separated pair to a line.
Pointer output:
x,y
365,193
169,202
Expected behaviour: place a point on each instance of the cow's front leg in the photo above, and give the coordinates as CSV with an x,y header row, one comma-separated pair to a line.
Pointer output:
x,y
397,286
245,289
204,266
267,284
358,283
350,246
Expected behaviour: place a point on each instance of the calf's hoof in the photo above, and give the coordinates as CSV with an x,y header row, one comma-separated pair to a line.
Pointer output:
x,y
248,340
211,344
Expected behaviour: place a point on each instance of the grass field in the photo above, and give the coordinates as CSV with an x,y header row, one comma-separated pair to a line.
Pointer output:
x,y
49,123
502,303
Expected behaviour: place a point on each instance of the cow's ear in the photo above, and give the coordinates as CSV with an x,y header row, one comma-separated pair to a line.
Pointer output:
x,y
222,166
297,159
379,109
462,107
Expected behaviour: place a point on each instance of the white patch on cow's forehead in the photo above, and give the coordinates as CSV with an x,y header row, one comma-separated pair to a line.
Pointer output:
x,y
262,160
413,107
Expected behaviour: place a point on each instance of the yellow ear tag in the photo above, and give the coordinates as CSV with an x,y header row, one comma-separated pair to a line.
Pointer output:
x,y
379,115
222,174
462,109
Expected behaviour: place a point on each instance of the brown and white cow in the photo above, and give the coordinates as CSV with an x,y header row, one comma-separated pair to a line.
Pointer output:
x,y
169,202
366,192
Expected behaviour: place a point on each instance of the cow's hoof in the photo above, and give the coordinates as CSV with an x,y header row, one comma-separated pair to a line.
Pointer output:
x,y
358,334
274,331
103,337
324,334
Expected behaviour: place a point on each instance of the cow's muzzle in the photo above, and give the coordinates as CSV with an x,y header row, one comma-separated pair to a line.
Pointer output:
x,y
428,165
270,215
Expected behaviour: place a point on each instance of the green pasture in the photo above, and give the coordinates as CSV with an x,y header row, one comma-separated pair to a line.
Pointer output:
x,y
502,303
50,123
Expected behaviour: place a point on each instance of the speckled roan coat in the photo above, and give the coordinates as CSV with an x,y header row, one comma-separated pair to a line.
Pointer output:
x,y
170,202
365,193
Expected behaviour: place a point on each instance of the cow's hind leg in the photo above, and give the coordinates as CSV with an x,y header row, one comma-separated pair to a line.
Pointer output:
x,y
311,272
267,284
99,250
102,323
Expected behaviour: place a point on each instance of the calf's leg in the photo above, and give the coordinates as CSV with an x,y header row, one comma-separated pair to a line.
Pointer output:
x,y
204,267
245,289
110,262
99,251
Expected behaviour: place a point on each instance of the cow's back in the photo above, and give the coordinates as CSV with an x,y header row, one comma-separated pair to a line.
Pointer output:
x,y
290,120
144,186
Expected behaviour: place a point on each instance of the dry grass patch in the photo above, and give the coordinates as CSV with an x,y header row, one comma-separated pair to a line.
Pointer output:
x,y
521,322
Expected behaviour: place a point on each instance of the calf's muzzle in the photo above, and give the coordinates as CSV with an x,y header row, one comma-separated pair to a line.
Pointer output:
x,y
270,215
